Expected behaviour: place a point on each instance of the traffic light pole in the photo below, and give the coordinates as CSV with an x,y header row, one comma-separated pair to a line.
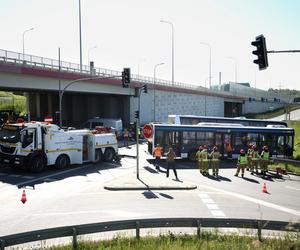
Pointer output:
x,y
137,121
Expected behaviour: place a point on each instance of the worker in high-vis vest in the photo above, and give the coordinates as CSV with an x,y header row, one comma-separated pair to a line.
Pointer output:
x,y
255,160
204,157
264,160
157,153
215,160
249,157
199,159
242,163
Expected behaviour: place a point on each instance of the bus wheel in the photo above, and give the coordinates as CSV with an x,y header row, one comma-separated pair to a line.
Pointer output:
x,y
98,155
192,156
62,161
37,164
109,154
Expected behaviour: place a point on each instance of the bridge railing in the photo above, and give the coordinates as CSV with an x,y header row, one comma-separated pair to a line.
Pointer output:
x,y
197,223
52,64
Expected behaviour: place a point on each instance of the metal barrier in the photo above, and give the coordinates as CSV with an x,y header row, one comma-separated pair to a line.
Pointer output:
x,y
197,223
52,64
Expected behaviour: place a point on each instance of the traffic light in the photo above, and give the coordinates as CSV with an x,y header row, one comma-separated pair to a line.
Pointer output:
x,y
125,77
261,52
137,114
145,88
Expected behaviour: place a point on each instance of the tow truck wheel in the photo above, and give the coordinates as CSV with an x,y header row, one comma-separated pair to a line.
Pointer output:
x,y
98,155
62,161
37,164
109,154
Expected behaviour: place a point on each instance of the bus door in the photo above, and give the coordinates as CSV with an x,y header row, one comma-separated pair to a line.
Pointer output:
x,y
219,142
172,138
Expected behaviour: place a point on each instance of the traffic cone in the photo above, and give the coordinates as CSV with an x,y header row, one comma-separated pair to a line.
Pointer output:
x,y
264,189
23,199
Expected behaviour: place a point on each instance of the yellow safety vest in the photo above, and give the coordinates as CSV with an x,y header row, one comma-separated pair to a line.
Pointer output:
x,y
243,159
265,155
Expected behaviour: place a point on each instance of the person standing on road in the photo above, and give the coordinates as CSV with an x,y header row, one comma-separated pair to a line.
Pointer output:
x,y
265,157
249,157
255,160
242,163
157,153
126,137
215,160
171,162
199,159
204,157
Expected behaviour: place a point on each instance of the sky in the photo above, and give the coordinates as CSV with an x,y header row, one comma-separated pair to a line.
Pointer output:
x,y
128,33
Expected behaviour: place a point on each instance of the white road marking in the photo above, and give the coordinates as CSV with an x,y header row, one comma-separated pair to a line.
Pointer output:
x,y
256,201
217,213
51,175
298,189
208,201
202,195
212,206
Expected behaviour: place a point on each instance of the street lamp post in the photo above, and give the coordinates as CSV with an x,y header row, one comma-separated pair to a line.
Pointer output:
x,y
172,48
80,43
24,41
154,85
207,44
89,50
235,67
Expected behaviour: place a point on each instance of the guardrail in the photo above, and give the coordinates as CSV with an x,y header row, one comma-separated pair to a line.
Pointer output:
x,y
286,161
197,223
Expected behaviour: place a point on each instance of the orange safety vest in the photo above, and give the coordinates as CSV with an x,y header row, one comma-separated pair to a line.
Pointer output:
x,y
157,151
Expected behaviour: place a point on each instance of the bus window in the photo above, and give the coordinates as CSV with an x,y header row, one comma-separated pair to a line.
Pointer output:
x,y
267,139
189,138
205,138
252,138
158,137
240,140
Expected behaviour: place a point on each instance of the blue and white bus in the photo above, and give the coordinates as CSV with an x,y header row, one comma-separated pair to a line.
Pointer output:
x,y
186,139
193,120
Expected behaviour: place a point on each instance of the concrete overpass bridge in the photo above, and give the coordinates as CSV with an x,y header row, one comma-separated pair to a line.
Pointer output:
x,y
39,78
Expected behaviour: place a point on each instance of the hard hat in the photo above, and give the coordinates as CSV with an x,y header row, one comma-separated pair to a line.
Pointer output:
x,y
242,151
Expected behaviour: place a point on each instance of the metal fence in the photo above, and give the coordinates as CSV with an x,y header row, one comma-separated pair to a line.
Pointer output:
x,y
52,64
197,223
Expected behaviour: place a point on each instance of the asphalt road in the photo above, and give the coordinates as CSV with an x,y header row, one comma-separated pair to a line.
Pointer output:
x,y
76,196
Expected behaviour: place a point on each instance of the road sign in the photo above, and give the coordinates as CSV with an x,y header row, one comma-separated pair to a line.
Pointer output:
x,y
48,119
147,131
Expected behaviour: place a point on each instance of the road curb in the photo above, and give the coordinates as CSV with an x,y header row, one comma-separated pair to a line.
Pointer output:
x,y
110,188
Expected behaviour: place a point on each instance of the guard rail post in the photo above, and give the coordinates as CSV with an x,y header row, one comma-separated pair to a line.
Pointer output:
x,y
2,245
137,229
199,229
74,240
259,226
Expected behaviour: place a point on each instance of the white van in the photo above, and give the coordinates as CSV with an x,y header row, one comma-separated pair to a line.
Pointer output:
x,y
115,124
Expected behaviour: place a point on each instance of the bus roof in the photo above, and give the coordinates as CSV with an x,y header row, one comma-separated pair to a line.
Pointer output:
x,y
224,128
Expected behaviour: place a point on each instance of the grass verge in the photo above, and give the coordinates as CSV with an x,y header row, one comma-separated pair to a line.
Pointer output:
x,y
270,114
208,240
